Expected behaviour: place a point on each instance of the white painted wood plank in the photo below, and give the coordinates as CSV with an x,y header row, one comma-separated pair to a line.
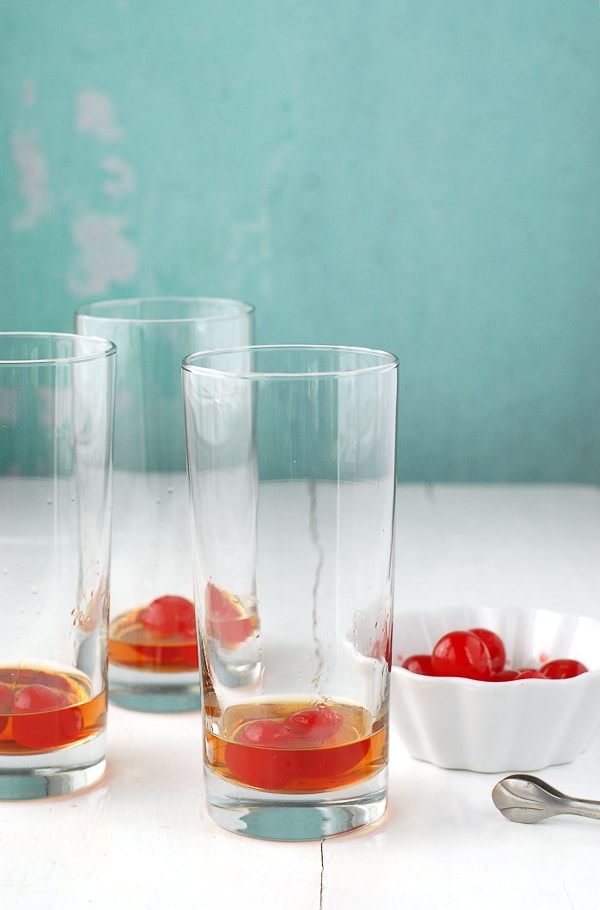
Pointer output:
x,y
535,546
142,838
443,845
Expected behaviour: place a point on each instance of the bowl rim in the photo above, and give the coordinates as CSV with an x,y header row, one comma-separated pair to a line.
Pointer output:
x,y
453,681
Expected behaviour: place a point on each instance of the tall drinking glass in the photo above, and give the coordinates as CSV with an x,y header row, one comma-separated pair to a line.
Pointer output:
x,y
291,459
56,410
153,648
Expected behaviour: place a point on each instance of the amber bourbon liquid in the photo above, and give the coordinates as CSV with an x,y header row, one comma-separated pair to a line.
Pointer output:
x,y
43,710
132,645
356,750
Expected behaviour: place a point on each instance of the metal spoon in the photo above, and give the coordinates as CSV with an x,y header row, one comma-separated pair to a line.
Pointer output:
x,y
526,799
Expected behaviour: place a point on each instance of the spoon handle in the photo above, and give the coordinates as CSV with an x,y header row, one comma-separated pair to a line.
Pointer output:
x,y
590,808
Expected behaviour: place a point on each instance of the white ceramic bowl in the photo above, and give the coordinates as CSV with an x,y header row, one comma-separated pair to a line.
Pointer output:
x,y
523,725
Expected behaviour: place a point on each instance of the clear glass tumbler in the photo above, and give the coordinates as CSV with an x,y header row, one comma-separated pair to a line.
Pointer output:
x,y
56,411
153,651
291,458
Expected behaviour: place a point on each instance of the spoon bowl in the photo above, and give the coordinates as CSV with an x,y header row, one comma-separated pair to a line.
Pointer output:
x,y
527,800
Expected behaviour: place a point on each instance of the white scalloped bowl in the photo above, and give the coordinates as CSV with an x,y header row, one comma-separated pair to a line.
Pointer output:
x,y
522,725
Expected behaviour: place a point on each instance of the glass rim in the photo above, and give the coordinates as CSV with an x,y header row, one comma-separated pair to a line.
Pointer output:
x,y
381,361
232,308
99,348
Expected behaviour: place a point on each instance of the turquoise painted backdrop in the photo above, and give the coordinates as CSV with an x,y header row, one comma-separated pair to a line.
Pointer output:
x,y
417,175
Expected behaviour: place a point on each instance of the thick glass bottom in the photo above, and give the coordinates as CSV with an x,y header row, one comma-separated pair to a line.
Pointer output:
x,y
157,693
301,817
53,773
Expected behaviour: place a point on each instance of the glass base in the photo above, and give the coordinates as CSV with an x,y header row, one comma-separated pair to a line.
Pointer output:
x,y
294,817
156,693
53,773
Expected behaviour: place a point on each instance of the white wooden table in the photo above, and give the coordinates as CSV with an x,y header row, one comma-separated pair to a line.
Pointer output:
x,y
142,838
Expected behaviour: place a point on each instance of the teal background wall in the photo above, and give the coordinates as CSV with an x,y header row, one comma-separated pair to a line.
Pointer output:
x,y
417,175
